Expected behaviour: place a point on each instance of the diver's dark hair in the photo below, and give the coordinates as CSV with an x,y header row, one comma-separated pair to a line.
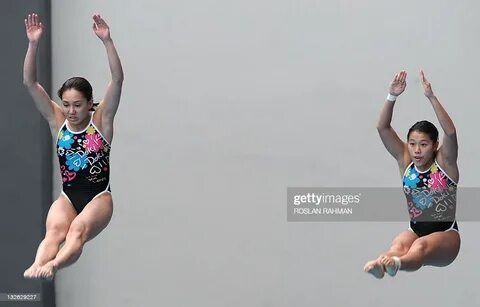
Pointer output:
x,y
80,84
426,127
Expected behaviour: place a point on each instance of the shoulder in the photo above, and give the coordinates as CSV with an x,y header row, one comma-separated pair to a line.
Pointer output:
x,y
97,118
404,166
104,126
450,169
57,122
404,163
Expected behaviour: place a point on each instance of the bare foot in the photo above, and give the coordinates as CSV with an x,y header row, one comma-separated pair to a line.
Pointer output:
x,y
392,264
375,268
47,271
31,272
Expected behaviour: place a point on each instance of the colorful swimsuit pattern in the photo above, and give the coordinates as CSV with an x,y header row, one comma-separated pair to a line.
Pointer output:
x,y
431,199
84,159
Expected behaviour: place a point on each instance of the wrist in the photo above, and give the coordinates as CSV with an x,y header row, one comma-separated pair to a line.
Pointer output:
x,y
391,97
107,41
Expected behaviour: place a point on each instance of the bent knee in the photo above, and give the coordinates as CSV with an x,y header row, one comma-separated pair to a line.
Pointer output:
x,y
400,247
420,245
57,231
78,231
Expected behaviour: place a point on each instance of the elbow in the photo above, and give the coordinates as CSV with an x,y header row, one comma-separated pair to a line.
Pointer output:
x,y
381,127
28,83
451,132
118,80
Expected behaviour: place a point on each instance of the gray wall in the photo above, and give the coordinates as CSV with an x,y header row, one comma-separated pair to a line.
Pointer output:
x,y
26,166
228,103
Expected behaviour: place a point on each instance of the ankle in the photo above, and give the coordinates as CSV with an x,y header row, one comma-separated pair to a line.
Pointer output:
x,y
398,262
54,265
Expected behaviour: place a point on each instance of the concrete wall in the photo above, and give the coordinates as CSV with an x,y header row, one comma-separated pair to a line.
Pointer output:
x,y
26,166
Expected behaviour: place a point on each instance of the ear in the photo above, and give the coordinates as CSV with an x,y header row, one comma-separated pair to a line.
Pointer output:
x,y
90,104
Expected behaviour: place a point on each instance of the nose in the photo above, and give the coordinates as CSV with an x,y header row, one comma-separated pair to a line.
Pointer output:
x,y
417,149
71,110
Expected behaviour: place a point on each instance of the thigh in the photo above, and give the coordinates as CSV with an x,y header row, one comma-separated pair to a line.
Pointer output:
x,y
61,214
441,248
95,216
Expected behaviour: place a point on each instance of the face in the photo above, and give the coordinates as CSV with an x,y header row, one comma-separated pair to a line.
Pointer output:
x,y
75,106
422,149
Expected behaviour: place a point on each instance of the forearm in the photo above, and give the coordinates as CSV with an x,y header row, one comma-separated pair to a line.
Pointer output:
x,y
442,116
30,64
386,115
114,61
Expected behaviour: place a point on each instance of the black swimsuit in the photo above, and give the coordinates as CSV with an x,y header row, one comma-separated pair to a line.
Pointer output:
x,y
84,164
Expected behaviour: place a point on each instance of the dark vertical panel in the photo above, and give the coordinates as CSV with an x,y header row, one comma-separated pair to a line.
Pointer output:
x,y
25,180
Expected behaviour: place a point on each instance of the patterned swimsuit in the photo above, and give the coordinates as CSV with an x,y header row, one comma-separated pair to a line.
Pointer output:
x,y
84,159
431,199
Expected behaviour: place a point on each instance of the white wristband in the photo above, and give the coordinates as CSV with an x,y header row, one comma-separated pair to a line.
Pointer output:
x,y
391,97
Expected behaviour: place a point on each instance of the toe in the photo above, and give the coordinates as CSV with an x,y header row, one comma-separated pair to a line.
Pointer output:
x,y
368,266
385,260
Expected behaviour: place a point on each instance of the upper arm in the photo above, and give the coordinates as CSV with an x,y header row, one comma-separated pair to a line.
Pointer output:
x,y
106,110
394,145
449,149
48,108
108,107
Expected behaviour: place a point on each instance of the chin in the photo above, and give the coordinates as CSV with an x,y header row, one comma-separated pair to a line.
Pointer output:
x,y
419,164
423,164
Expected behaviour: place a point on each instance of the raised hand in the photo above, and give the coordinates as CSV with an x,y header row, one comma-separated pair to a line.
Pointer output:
x,y
398,84
33,27
101,28
427,86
